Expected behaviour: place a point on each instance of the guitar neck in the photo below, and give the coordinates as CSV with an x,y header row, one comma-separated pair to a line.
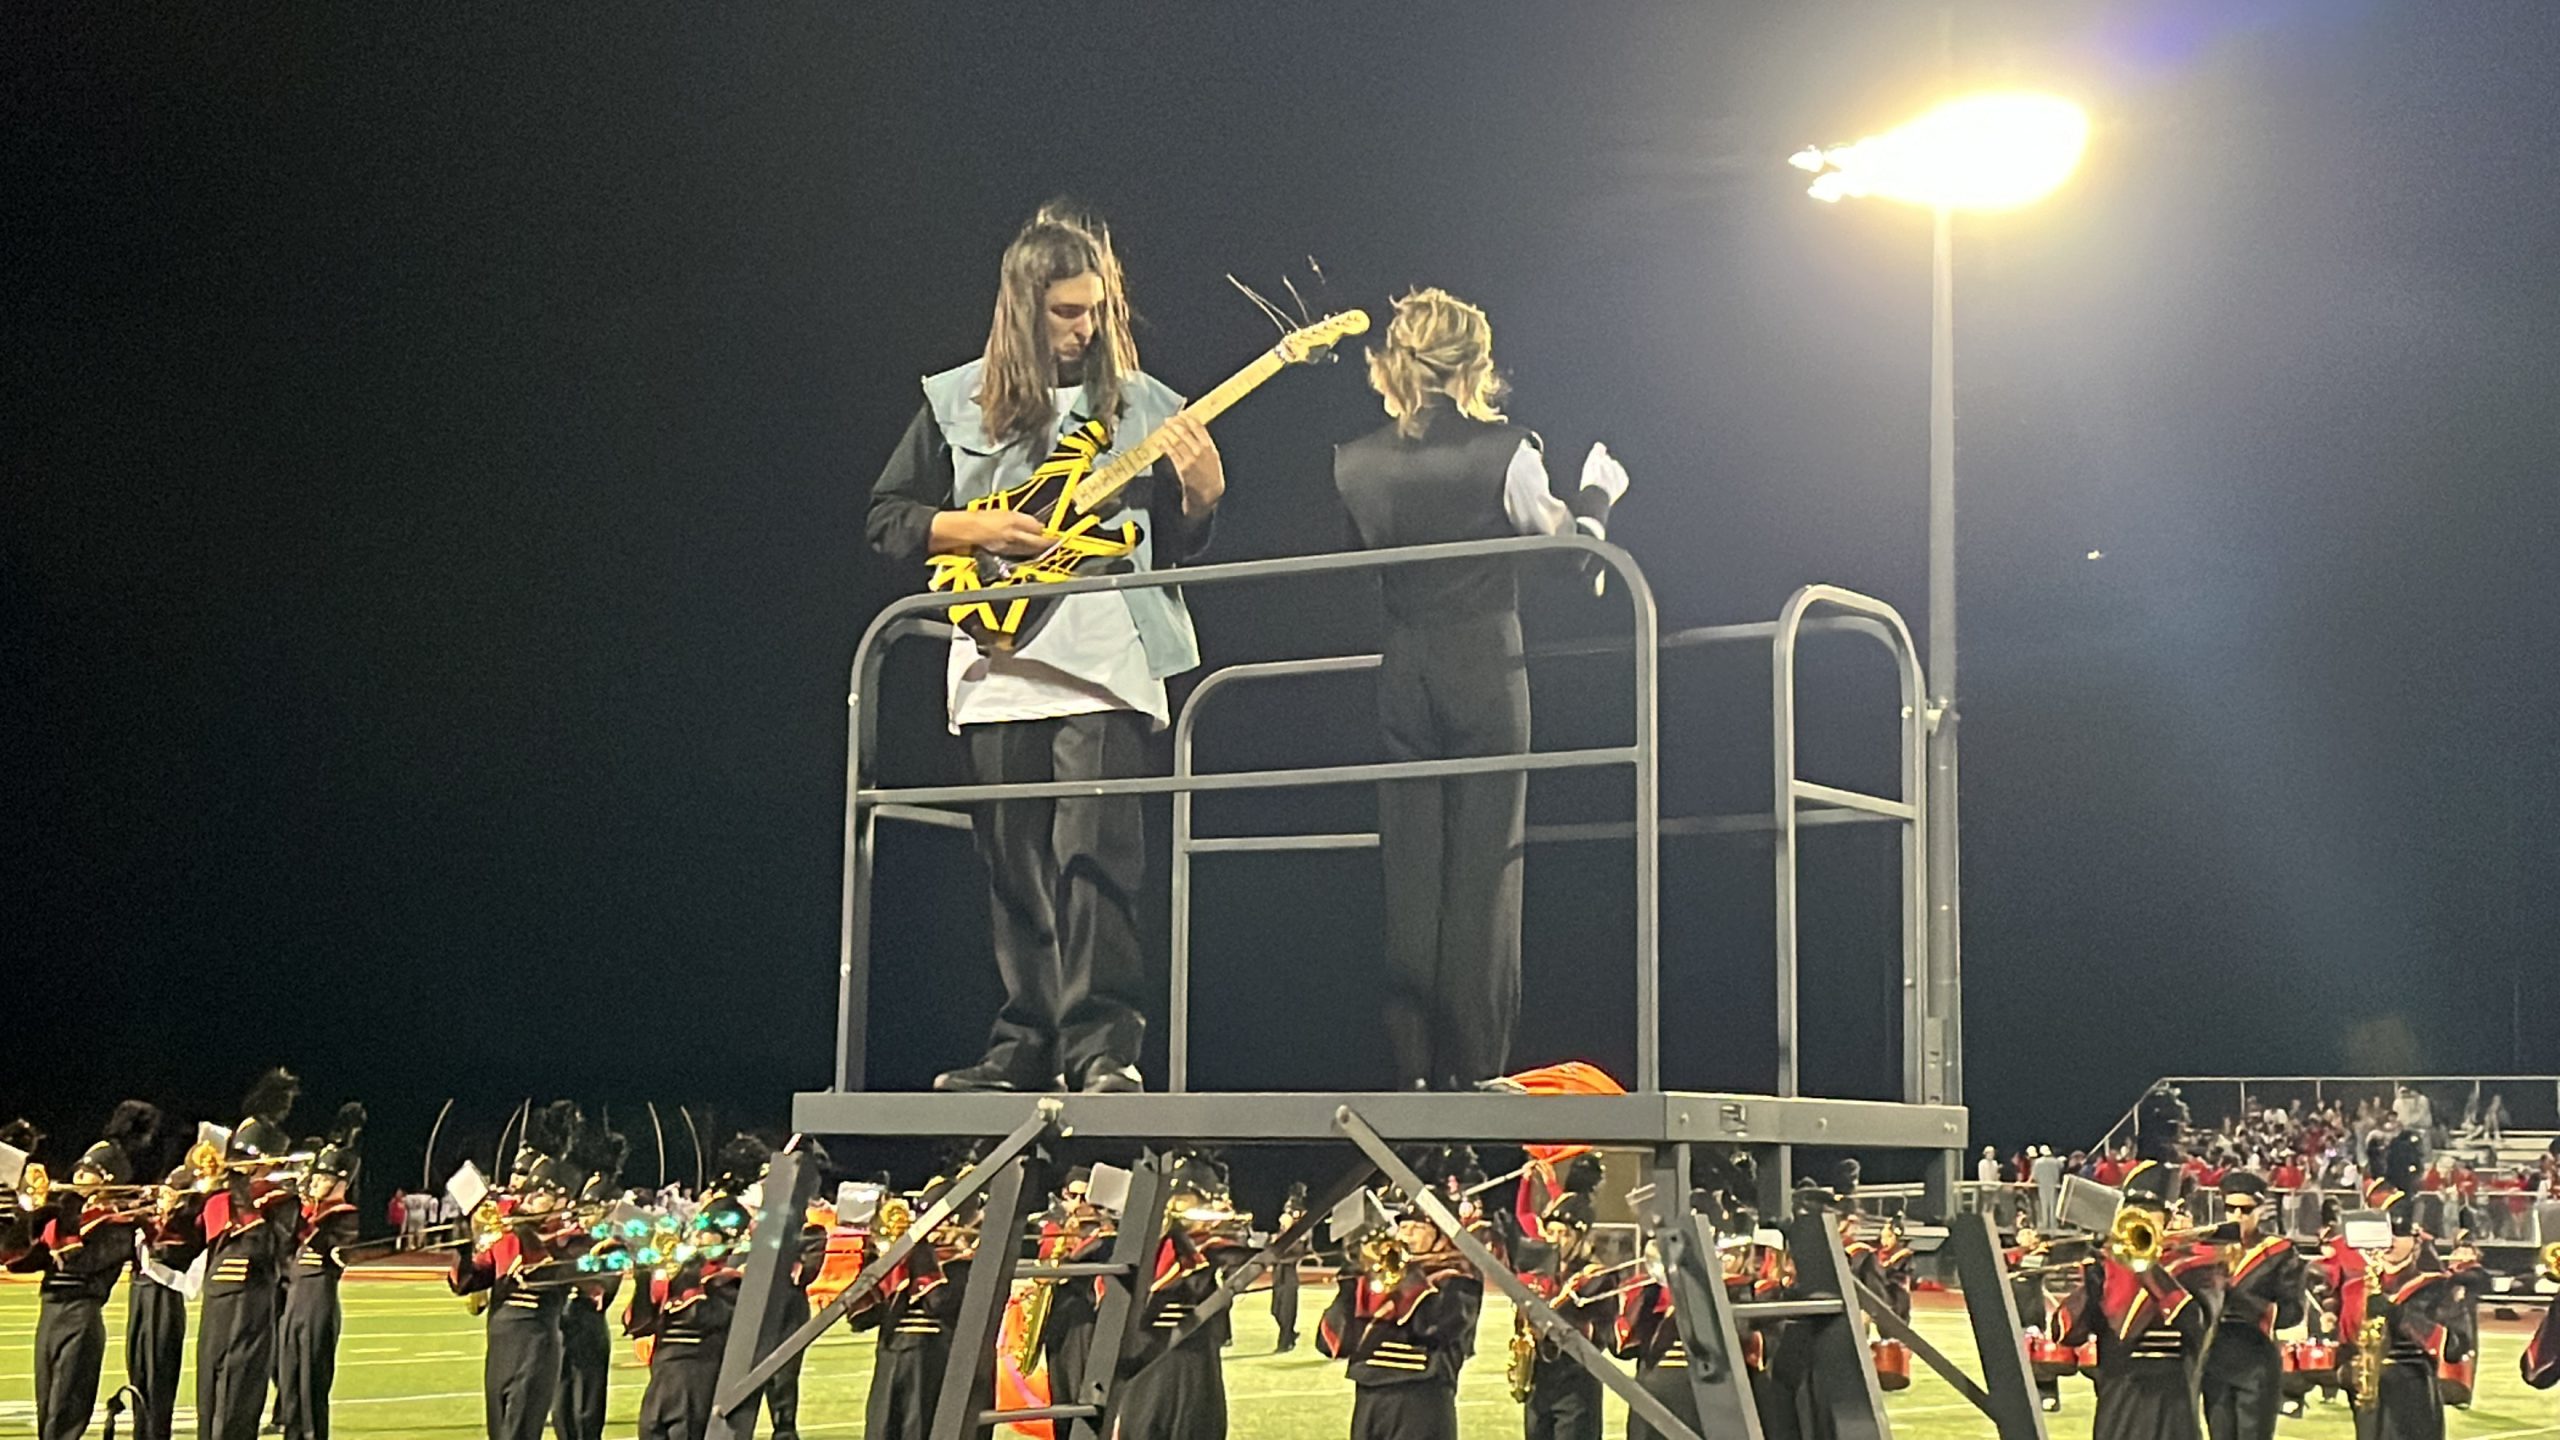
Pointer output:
x,y
1111,479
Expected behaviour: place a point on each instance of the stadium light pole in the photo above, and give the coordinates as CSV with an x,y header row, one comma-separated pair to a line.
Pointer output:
x,y
1986,152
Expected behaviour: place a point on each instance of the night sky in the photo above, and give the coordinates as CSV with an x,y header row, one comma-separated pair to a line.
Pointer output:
x,y
437,447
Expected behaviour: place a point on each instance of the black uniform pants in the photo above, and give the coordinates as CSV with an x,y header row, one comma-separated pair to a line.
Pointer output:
x,y
906,1380
682,1379
1284,1301
235,1359
2243,1385
522,1371
782,1392
1451,848
307,1350
2143,1399
1063,877
1564,1401
586,1365
2407,1407
1670,1385
1418,1410
155,1349
71,1348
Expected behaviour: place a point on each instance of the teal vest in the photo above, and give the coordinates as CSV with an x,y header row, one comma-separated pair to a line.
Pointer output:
x,y
980,467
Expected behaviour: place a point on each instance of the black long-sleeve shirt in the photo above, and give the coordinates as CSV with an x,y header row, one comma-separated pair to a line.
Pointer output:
x,y
916,485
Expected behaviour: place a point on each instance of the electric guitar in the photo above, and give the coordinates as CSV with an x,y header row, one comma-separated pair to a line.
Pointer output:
x,y
1068,491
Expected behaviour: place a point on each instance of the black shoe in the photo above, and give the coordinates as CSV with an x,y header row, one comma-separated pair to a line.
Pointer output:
x,y
990,1076
1110,1077
1287,1344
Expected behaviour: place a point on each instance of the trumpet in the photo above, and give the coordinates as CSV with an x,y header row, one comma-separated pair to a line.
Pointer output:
x,y
2139,1238
2548,1257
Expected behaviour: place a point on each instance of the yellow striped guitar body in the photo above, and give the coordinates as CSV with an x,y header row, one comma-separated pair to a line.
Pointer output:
x,y
1047,494
1068,491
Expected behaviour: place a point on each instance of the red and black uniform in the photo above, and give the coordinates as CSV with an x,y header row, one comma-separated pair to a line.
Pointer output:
x,y
80,1252
308,1337
155,1337
1564,1398
250,1233
2540,1363
1405,1345
1184,1393
1648,1334
1066,1335
2413,1295
686,1313
521,1374
2243,1380
914,1308
2151,1329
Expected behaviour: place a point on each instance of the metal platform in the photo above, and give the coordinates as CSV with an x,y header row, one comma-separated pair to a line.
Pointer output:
x,y
1669,1117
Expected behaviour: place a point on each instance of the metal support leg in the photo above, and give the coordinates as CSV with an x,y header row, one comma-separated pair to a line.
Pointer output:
x,y
1844,1370
736,1390
2007,1382
1719,1382
1121,1319
971,1376
773,1247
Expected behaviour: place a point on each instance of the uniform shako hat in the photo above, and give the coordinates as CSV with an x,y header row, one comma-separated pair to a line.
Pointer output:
x,y
338,1154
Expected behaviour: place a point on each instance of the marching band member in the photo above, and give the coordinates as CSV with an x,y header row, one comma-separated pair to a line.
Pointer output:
x,y
155,1341
1077,699
586,1339
250,1225
913,1308
2150,1326
2540,1362
1284,1270
1449,467
1181,1393
2393,1309
1562,1400
2261,1294
1405,1320
307,1337
80,1236
496,1265
687,1307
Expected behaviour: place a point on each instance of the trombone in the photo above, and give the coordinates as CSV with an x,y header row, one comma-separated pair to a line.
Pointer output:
x,y
37,1188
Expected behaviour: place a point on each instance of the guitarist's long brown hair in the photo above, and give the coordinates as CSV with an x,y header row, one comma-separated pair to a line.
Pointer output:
x,y
1059,244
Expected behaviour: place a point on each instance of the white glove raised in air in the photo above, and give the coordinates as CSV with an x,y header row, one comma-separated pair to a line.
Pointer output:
x,y
1601,471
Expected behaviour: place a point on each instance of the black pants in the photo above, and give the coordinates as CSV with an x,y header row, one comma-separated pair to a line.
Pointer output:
x,y
522,1371
235,1358
1670,1385
2407,1408
1564,1401
1284,1301
1064,876
782,1392
2143,1399
155,1349
2243,1385
1450,848
586,1365
906,1380
682,1379
307,1352
71,1348
1419,1410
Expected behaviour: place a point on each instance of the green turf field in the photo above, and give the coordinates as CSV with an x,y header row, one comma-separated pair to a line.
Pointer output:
x,y
410,1365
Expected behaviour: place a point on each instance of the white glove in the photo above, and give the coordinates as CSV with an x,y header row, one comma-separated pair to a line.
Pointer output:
x,y
1601,469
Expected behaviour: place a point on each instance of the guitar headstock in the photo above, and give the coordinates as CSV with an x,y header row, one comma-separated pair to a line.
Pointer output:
x,y
1312,342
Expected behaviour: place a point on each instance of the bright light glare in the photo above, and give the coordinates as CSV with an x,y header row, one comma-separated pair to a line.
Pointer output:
x,y
1982,152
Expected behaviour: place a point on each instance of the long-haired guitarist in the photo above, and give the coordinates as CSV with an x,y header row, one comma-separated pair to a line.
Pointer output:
x,y
1075,698
1448,466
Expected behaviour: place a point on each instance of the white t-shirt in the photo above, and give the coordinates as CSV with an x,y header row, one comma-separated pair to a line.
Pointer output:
x,y
1083,658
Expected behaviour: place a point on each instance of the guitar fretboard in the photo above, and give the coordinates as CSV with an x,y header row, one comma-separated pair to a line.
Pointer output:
x,y
1098,487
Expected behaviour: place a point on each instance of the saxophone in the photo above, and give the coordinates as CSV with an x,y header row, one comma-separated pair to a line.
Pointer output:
x,y
2364,1372
1522,1372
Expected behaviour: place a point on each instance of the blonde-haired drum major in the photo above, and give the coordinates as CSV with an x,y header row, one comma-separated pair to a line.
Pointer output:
x,y
1450,466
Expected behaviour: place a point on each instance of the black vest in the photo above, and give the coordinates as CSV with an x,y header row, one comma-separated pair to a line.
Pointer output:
x,y
1446,485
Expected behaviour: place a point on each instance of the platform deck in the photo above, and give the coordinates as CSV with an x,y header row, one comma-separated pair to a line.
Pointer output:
x,y
1669,1117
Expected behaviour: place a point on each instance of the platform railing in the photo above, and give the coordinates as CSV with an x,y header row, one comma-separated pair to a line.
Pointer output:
x,y
1782,634
1799,802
